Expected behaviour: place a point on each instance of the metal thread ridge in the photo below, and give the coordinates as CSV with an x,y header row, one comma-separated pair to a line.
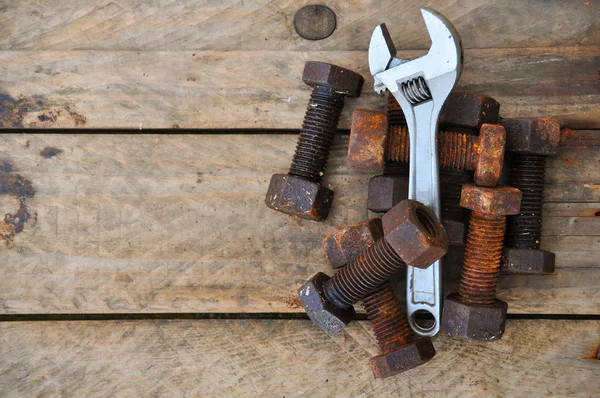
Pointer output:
x,y
388,318
482,258
364,274
314,144
524,230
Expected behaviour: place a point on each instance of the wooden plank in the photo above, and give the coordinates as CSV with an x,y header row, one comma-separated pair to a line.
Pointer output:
x,y
176,223
286,359
263,89
268,25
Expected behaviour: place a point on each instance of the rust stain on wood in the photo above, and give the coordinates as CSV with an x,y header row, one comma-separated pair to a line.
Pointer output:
x,y
36,111
293,302
13,184
49,152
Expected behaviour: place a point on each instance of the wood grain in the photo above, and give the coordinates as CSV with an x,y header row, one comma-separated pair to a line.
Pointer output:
x,y
263,89
136,25
177,223
285,359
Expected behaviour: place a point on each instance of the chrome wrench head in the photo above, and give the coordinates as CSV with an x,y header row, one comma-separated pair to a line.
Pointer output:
x,y
421,86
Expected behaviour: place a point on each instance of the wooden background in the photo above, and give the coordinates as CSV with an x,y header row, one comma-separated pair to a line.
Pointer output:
x,y
159,225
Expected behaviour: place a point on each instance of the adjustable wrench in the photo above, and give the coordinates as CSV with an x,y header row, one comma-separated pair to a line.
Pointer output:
x,y
421,86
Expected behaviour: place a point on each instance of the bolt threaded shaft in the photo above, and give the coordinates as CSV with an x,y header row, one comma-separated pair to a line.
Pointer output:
x,y
397,148
364,274
482,258
451,182
524,231
388,318
395,114
458,150
320,123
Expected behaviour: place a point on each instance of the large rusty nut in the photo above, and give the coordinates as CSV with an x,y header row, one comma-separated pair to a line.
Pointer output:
x,y
386,191
500,201
474,321
488,169
469,110
456,231
533,136
344,245
368,136
416,234
340,79
299,197
527,261
406,357
325,314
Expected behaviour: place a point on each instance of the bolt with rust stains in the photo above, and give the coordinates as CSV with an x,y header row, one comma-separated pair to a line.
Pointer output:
x,y
401,349
412,235
475,313
300,192
530,141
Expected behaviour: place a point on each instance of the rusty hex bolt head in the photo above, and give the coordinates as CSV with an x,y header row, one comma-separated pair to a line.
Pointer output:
x,y
469,110
387,191
406,357
329,317
415,233
340,79
473,321
527,261
499,201
299,197
368,136
346,244
456,231
488,169
533,136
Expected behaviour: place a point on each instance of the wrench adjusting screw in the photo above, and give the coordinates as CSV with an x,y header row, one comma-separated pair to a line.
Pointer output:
x,y
300,192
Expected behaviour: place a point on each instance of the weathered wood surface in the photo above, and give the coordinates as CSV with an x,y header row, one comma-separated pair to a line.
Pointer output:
x,y
127,64
286,359
177,223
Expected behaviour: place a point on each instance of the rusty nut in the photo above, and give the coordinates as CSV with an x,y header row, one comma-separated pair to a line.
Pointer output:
x,y
488,169
386,191
415,233
537,136
368,136
335,77
299,197
500,201
469,111
474,321
527,261
406,357
330,317
344,245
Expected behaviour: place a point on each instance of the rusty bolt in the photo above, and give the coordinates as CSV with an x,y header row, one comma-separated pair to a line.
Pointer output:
x,y
401,349
344,245
475,313
413,235
469,111
531,141
386,191
367,143
300,193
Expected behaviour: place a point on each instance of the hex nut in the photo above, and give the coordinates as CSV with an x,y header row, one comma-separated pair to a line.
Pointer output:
x,y
326,315
469,110
339,79
537,136
499,201
298,196
473,321
386,191
415,233
488,169
368,136
344,245
413,354
527,261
